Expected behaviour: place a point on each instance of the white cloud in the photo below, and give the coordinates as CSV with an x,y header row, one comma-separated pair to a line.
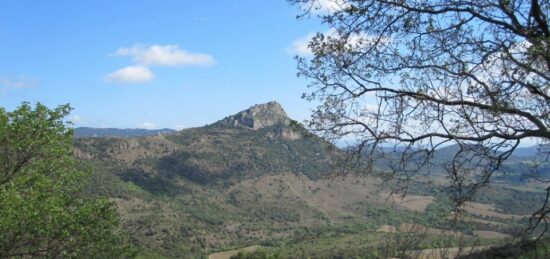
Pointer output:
x,y
325,6
165,55
131,75
79,121
18,82
76,119
371,107
300,45
148,125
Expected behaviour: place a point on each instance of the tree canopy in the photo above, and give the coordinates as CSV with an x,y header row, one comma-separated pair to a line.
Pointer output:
x,y
426,74
42,213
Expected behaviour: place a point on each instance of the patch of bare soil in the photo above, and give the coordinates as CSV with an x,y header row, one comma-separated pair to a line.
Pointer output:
x,y
387,229
491,234
489,210
228,254
408,227
415,203
444,253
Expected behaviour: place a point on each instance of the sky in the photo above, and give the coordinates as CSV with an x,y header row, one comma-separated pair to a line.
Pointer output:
x,y
153,64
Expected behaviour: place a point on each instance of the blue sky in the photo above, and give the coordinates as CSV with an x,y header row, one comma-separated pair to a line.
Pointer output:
x,y
152,64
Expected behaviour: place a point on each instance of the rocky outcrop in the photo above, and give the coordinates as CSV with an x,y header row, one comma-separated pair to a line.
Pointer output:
x,y
258,117
262,116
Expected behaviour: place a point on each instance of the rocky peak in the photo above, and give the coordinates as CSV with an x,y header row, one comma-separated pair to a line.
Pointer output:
x,y
259,116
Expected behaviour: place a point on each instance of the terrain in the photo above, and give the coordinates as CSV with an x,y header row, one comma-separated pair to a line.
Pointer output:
x,y
260,178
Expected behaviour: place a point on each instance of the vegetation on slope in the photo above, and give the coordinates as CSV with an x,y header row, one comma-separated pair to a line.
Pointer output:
x,y
231,185
42,210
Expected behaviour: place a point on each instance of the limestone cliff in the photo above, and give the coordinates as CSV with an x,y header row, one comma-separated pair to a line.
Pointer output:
x,y
258,117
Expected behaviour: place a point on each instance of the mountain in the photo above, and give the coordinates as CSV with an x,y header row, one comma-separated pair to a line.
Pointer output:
x,y
85,132
255,177
270,115
257,117
259,140
198,180
532,151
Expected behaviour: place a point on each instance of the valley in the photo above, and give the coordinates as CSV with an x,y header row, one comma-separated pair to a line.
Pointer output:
x,y
258,178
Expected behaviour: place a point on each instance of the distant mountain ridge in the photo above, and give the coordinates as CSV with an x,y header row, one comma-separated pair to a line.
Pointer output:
x,y
532,151
86,132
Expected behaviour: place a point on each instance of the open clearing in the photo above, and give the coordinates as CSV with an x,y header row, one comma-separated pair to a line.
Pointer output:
x,y
444,253
407,227
482,221
228,254
387,229
490,234
415,203
489,210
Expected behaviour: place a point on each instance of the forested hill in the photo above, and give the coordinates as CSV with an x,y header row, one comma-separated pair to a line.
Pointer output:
x,y
177,193
259,140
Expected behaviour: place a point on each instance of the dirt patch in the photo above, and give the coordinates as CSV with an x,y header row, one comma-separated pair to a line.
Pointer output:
x,y
387,229
407,227
469,218
444,253
489,210
491,234
415,203
228,254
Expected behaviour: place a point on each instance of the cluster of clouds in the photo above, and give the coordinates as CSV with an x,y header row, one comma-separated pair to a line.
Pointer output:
x,y
300,46
146,56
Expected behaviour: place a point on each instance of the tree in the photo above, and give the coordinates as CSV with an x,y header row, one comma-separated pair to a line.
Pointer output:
x,y
429,73
41,211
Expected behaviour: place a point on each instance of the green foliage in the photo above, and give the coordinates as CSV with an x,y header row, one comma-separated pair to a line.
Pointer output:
x,y
510,200
41,211
215,152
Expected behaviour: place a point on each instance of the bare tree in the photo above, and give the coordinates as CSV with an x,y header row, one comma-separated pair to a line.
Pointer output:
x,y
387,243
429,73
409,238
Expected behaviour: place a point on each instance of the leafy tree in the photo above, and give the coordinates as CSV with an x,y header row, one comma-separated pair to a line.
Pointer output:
x,y
41,211
425,74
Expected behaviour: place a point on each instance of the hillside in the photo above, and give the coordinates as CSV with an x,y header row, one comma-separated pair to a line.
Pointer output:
x,y
243,145
258,177
523,165
201,172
